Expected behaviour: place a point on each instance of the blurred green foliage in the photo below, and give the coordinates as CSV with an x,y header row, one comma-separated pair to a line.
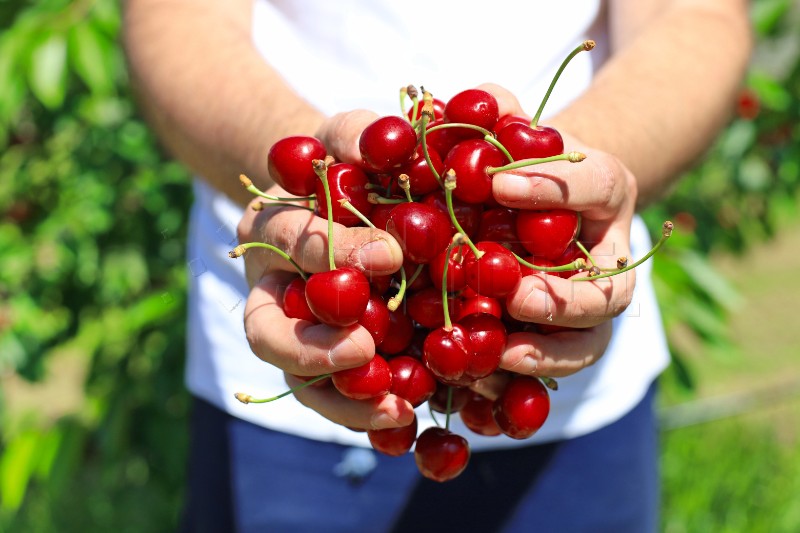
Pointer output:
x,y
92,266
92,270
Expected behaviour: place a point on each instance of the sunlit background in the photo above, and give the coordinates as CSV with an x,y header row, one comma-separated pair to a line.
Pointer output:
x,y
92,293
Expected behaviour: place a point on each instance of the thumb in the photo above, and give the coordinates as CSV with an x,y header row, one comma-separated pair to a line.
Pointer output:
x,y
341,132
506,101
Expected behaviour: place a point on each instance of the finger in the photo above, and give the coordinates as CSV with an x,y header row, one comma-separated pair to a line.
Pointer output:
x,y
304,237
557,354
492,386
298,346
597,186
506,101
341,132
389,411
549,299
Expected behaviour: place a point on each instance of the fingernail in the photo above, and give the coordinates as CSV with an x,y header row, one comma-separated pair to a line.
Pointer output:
x,y
347,353
377,255
383,421
513,187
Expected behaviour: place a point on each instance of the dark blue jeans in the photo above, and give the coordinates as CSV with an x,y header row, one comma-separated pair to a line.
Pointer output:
x,y
244,478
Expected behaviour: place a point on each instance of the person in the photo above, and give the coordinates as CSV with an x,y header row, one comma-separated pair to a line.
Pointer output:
x,y
221,82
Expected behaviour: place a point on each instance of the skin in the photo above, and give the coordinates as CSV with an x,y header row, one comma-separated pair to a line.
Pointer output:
x,y
647,115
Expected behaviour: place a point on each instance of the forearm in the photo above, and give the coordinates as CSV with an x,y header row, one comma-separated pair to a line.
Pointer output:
x,y
212,100
667,91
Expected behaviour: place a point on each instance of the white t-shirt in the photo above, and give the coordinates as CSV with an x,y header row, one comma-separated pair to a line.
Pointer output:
x,y
353,54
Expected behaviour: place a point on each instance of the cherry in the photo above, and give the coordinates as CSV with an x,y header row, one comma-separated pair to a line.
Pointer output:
x,y
338,297
402,330
447,353
547,234
438,110
500,225
477,416
411,380
289,163
505,120
369,380
346,182
421,230
442,140
421,179
294,301
386,143
459,398
522,407
422,281
425,307
394,441
375,318
456,277
495,274
473,106
470,161
479,304
488,338
440,454
524,142
468,215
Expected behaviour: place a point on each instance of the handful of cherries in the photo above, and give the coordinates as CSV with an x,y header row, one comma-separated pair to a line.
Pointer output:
x,y
426,179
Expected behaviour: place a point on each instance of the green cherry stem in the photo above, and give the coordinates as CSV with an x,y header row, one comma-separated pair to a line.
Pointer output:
x,y
427,115
550,383
375,198
240,250
248,184
458,239
433,415
484,131
246,398
405,183
666,232
395,301
449,186
449,405
584,46
578,264
583,249
416,274
414,95
572,157
491,140
321,169
350,207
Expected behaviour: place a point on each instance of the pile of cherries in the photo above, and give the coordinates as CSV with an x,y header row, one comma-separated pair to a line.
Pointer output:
x,y
426,179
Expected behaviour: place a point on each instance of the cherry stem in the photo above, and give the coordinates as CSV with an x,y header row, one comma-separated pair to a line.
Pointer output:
x,y
449,406
550,383
375,198
491,140
427,114
584,46
458,240
321,169
572,157
403,94
246,398
433,416
350,207
240,250
461,125
248,184
405,183
395,301
416,274
583,249
665,234
414,95
578,264
449,185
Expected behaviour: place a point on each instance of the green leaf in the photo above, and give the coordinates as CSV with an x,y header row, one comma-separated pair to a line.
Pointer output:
x,y
766,14
88,51
16,466
47,74
710,280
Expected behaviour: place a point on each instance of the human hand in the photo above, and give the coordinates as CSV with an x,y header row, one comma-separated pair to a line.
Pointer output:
x,y
298,347
603,191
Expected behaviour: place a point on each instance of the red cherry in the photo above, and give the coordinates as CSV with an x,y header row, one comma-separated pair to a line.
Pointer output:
x,y
376,318
338,297
294,301
468,215
438,109
473,106
505,120
440,454
394,441
500,225
421,179
425,307
470,160
447,353
524,142
479,304
346,182
402,330
369,380
547,234
289,163
522,407
488,338
423,280
495,274
438,402
380,215
456,277
441,141
387,142
422,231
477,416
411,380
